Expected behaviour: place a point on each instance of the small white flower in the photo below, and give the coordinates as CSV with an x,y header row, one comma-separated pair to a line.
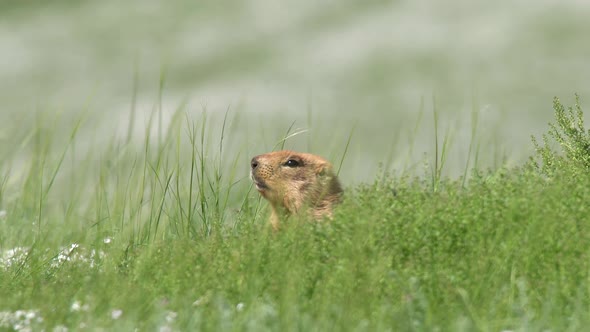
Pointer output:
x,y
107,240
240,306
30,315
165,328
19,320
76,306
171,316
13,256
3,214
115,314
60,328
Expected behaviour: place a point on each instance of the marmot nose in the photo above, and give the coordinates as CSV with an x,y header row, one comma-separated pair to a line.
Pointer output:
x,y
254,162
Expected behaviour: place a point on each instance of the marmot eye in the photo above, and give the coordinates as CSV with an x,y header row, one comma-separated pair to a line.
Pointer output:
x,y
292,163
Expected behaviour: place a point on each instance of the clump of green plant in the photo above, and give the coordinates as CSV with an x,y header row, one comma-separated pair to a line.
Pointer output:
x,y
569,133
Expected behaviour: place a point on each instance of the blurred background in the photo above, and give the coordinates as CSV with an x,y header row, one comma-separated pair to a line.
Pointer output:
x,y
372,71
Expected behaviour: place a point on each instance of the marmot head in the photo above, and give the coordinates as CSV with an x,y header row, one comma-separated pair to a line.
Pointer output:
x,y
289,180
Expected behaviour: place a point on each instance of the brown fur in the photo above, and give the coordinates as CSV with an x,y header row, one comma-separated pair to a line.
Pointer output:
x,y
292,181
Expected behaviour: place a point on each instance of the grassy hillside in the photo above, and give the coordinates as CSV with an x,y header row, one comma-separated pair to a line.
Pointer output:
x,y
167,237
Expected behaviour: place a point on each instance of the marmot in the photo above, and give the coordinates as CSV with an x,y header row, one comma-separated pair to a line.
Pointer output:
x,y
293,181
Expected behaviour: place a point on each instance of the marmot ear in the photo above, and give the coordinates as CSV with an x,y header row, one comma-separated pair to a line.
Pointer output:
x,y
323,169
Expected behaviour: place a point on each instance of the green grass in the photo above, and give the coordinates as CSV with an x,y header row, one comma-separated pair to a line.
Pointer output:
x,y
169,234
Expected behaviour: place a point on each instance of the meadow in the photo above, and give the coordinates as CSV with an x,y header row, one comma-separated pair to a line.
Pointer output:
x,y
166,238
126,131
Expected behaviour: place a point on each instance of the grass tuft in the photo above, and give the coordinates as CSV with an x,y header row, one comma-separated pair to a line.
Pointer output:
x,y
571,136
